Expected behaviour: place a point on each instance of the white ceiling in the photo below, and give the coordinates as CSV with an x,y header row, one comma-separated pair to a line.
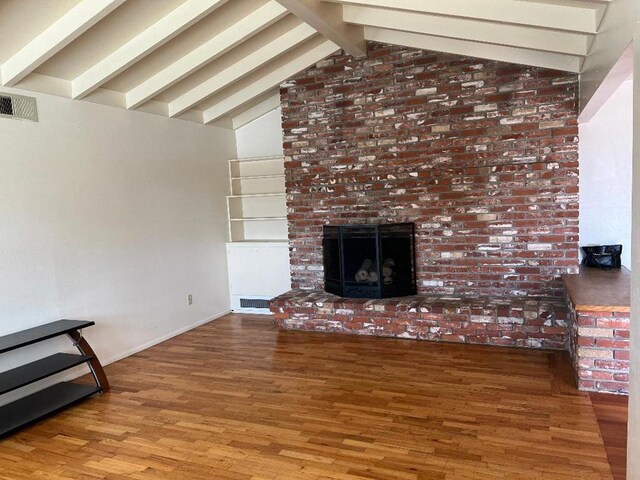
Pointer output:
x,y
221,61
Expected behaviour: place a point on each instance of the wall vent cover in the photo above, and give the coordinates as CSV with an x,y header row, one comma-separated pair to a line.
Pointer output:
x,y
18,106
253,303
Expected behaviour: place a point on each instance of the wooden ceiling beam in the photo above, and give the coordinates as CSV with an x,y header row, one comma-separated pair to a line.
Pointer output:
x,y
242,67
266,81
60,34
256,109
146,42
473,30
247,27
556,61
560,14
327,19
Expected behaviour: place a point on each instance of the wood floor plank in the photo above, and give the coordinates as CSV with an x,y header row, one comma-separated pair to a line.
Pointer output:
x,y
612,414
237,399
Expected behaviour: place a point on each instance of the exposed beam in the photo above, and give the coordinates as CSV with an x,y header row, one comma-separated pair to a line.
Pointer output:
x,y
221,43
37,82
621,71
270,102
500,34
561,14
269,80
327,19
245,65
616,33
556,61
64,31
146,42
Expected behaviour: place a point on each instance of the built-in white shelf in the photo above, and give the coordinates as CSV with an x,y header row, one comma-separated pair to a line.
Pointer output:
x,y
265,158
258,185
257,203
257,195
257,219
257,177
257,166
259,243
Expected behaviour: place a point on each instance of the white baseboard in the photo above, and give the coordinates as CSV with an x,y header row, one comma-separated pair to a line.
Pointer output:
x,y
253,311
164,338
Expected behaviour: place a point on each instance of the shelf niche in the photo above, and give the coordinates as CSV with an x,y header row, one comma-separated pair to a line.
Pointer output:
x,y
257,208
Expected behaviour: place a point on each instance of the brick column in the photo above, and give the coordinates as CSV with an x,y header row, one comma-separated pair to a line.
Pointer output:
x,y
600,350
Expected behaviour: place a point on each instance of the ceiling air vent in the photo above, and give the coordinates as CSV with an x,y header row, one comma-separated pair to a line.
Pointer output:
x,y
18,106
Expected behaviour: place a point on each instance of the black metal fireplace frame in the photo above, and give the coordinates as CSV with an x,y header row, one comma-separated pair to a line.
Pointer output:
x,y
348,289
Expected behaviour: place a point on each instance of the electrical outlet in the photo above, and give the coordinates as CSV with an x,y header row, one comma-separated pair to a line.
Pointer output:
x,y
190,299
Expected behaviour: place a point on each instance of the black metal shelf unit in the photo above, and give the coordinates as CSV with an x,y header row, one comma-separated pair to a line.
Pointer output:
x,y
32,408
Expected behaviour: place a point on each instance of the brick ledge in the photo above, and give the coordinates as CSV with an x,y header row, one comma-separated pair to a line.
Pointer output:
x,y
502,321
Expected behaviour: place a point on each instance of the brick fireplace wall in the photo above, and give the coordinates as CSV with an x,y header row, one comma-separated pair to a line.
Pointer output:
x,y
481,155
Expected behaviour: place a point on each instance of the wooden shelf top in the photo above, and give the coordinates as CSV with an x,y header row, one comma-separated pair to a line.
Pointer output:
x,y
597,290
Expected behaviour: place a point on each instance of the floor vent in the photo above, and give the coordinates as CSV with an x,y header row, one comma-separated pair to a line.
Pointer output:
x,y
18,106
254,303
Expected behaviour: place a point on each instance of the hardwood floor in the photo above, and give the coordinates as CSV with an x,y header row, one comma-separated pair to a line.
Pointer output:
x,y
612,413
236,399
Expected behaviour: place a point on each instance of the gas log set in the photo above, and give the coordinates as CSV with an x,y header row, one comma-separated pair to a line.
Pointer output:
x,y
367,272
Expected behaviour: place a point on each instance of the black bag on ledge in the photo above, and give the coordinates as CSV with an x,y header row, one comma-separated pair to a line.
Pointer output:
x,y
602,256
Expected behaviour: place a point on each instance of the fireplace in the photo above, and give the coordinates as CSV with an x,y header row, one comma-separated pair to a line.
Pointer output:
x,y
369,261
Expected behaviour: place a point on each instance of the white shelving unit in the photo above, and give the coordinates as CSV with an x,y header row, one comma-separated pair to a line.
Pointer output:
x,y
257,206
258,251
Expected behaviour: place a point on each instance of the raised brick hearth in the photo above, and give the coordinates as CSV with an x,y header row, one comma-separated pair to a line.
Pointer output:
x,y
517,322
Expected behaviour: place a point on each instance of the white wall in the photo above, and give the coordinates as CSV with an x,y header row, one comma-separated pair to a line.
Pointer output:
x,y
113,216
633,444
262,137
605,173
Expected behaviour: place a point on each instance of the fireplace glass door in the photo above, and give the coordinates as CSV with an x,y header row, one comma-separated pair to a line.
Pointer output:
x,y
369,261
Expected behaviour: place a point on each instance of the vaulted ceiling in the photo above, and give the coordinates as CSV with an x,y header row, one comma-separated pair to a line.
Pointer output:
x,y
221,61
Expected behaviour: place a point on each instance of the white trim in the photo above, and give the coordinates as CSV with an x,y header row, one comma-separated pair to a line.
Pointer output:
x,y
253,311
257,159
253,195
259,243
